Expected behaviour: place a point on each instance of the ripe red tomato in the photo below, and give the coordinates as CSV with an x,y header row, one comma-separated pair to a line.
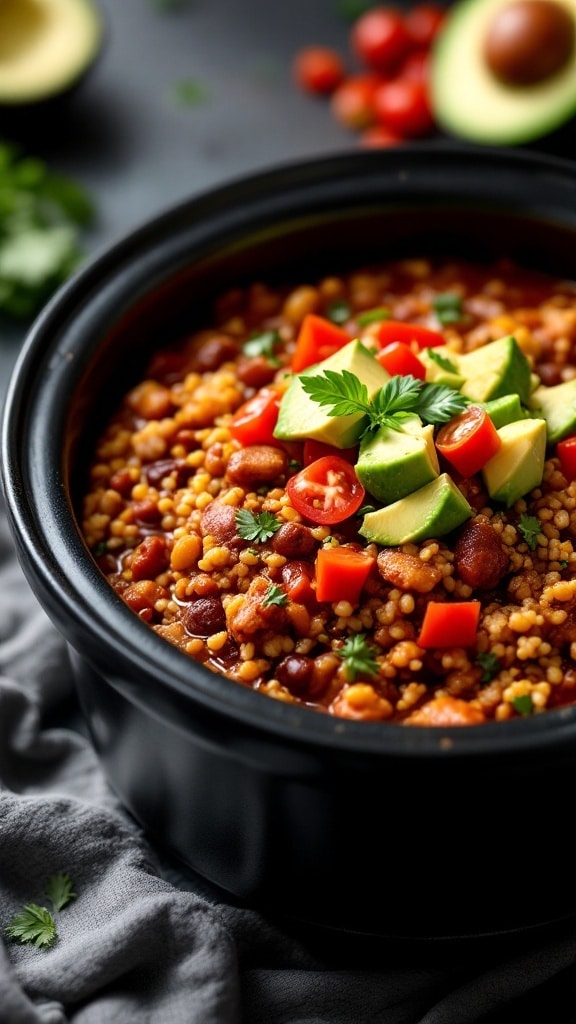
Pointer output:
x,y
417,66
423,22
380,38
254,421
415,335
402,106
352,102
566,452
468,440
399,359
326,491
318,69
314,450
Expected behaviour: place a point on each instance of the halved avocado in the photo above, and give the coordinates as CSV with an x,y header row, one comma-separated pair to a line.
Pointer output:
x,y
472,102
46,47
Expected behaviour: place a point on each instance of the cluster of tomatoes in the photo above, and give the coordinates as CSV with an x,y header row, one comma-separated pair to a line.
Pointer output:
x,y
388,99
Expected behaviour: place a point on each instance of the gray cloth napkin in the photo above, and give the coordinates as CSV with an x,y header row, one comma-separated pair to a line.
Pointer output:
x,y
143,942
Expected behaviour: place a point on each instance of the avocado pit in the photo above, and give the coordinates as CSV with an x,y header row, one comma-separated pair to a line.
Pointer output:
x,y
528,41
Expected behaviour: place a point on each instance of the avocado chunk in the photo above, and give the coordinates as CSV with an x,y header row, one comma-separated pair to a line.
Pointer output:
x,y
498,368
472,101
557,405
300,417
437,373
504,410
518,465
432,511
46,47
392,463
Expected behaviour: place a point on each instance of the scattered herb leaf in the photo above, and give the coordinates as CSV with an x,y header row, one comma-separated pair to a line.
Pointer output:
x,y
189,92
441,361
256,526
274,595
530,527
100,549
59,891
351,10
490,665
524,705
339,311
263,344
33,924
359,657
365,510
372,316
448,308
563,563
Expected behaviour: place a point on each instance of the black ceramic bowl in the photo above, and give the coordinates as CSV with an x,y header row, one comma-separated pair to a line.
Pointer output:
x,y
371,828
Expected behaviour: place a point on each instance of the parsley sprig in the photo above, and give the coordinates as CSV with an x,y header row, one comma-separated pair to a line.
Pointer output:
x,y
256,526
343,394
60,890
263,343
35,925
359,657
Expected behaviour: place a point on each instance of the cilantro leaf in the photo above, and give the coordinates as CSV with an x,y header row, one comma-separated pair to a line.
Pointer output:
x,y
448,308
530,527
339,311
490,665
524,705
441,361
256,526
274,595
359,657
263,343
372,316
33,924
59,891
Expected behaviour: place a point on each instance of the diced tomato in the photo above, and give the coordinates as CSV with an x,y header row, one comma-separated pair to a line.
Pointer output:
x,y
326,491
449,624
414,335
398,358
317,339
341,573
318,449
566,452
468,440
318,69
254,421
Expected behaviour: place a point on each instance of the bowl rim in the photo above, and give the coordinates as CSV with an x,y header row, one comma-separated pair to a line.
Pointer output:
x,y
51,558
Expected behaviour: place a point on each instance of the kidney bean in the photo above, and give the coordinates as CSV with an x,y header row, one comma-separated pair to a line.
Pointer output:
x,y
480,559
295,673
122,481
209,352
219,521
150,558
204,616
255,371
156,471
297,579
146,511
294,540
257,464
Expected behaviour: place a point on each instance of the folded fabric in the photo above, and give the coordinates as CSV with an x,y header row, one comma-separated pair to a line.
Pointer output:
x,y
145,942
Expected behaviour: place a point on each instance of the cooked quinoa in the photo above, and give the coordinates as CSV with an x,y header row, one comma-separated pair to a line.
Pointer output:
x,y
168,479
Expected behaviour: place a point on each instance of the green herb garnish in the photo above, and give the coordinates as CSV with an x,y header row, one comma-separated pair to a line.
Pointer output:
x,y
359,657
256,526
372,316
189,92
530,527
35,925
263,344
524,705
441,361
344,394
60,891
41,213
339,311
490,665
448,308
274,595
351,10
365,510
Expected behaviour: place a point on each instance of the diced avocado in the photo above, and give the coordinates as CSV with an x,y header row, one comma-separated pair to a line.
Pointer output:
x,y
437,373
557,405
504,410
432,511
496,369
518,465
392,463
301,417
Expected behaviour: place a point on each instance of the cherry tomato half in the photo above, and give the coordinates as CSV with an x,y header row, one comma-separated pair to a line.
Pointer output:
x,y
254,421
403,105
352,102
380,38
409,334
399,359
566,452
468,440
326,491
318,69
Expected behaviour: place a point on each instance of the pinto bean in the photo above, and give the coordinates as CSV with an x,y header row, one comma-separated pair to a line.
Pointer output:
x,y
294,540
204,616
219,521
408,572
257,464
481,561
443,711
150,558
